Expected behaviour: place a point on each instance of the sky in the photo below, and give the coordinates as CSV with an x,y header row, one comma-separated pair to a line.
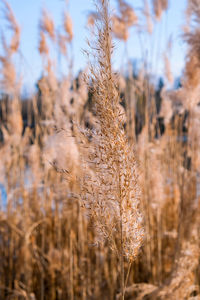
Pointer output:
x,y
139,45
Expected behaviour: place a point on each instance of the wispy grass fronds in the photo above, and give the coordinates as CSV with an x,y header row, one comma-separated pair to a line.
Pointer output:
x,y
112,194
159,6
68,27
47,24
14,26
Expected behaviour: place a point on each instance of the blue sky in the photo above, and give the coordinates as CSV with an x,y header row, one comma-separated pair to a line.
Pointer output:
x,y
28,13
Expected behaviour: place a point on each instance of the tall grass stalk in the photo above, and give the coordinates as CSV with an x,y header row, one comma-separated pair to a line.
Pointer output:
x,y
113,197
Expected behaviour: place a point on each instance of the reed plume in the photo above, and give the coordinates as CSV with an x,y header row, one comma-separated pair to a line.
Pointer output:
x,y
47,24
159,6
8,72
68,27
112,193
14,26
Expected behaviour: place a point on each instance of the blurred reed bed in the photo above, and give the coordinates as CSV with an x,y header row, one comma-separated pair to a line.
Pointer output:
x,y
100,173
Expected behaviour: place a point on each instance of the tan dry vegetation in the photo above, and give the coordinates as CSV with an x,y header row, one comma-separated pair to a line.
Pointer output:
x,y
102,201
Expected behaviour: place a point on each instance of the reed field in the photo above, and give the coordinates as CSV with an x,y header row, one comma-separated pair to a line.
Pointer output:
x,y
100,172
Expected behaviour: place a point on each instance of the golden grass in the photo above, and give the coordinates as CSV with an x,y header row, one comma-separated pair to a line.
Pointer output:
x,y
100,203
